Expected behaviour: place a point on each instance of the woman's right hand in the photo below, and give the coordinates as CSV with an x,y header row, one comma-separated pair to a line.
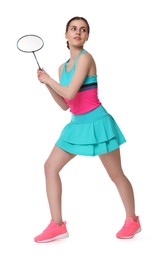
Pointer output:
x,y
43,76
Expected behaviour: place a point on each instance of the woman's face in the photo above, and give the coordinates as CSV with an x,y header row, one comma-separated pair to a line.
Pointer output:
x,y
77,33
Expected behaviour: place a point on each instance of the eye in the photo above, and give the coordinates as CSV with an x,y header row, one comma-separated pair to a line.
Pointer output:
x,y
73,28
83,29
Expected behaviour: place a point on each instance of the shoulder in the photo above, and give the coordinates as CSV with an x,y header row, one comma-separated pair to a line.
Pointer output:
x,y
60,69
86,58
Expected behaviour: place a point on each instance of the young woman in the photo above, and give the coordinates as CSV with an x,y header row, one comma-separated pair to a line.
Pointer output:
x,y
92,131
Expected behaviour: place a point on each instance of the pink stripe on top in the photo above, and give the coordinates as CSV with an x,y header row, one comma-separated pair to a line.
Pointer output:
x,y
84,101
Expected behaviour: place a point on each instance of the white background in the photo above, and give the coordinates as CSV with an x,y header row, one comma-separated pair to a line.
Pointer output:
x,y
127,41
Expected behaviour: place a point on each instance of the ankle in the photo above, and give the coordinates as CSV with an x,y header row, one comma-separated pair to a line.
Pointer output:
x,y
58,222
134,217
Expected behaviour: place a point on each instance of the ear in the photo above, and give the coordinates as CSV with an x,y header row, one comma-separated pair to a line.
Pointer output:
x,y
87,38
65,35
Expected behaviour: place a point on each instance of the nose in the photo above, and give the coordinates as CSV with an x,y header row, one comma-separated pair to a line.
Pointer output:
x,y
78,32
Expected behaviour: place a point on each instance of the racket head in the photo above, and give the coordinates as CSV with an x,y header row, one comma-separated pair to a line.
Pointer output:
x,y
30,43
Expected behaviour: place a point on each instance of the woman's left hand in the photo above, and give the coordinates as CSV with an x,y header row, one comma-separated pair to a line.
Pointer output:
x,y
43,77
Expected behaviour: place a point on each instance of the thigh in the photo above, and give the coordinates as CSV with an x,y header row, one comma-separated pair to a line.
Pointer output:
x,y
58,158
112,163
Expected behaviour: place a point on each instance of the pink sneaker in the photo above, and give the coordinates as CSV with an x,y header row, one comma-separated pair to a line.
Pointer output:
x,y
129,229
52,232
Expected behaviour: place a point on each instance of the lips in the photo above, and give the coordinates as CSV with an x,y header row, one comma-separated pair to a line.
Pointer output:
x,y
77,38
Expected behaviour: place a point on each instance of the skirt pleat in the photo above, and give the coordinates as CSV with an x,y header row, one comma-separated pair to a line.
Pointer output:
x,y
90,134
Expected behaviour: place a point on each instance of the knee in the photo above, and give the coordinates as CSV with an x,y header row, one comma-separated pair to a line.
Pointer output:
x,y
117,177
49,168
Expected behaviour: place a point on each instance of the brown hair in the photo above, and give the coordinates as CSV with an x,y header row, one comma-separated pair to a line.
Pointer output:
x,y
76,18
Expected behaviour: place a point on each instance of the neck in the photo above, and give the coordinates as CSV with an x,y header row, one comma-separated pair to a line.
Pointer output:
x,y
74,52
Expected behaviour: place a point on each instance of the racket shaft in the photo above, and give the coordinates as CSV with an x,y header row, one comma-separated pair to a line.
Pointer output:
x,y
36,60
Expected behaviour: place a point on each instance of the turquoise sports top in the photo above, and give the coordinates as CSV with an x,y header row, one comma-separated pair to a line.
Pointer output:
x,y
86,98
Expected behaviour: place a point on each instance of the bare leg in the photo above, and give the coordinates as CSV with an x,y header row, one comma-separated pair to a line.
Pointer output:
x,y
56,161
112,164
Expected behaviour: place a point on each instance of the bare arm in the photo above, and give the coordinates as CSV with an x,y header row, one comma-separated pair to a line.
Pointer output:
x,y
82,69
59,100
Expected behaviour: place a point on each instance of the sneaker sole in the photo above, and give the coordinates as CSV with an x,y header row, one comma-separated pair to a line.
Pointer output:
x,y
128,237
62,236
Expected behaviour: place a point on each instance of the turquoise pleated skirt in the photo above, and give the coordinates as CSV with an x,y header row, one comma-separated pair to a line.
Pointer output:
x,y
90,134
